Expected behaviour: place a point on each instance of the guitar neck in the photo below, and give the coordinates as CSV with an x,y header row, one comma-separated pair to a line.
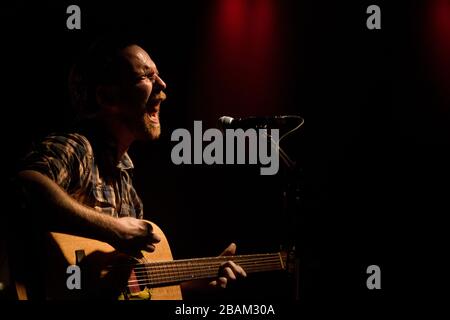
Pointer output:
x,y
170,272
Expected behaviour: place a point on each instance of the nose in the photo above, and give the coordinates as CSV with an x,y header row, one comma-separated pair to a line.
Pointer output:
x,y
160,83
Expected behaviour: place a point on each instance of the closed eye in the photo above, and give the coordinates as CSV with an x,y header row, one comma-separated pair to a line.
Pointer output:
x,y
150,76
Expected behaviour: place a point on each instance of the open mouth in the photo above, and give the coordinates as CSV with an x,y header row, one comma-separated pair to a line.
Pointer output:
x,y
154,117
153,108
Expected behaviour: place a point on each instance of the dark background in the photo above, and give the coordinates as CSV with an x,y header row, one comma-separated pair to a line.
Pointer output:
x,y
372,152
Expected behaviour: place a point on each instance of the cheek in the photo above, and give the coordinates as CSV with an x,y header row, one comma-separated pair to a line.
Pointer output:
x,y
138,95
143,91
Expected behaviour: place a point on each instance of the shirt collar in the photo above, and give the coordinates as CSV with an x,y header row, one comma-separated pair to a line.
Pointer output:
x,y
125,163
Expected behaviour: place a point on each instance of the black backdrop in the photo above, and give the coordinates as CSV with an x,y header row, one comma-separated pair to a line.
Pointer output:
x,y
372,149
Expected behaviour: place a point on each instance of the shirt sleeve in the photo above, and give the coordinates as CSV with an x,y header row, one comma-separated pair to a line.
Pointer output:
x,y
63,158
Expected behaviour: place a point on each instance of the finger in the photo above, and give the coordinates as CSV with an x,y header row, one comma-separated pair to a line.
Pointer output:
x,y
149,227
220,282
154,238
213,283
149,247
145,228
230,250
150,232
237,269
229,274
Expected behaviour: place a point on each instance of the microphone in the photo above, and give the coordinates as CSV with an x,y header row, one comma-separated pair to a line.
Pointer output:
x,y
226,122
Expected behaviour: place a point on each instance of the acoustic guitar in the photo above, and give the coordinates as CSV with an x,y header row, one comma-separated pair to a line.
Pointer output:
x,y
108,274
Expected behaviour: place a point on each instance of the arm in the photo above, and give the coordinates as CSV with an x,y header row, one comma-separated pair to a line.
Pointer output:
x,y
65,214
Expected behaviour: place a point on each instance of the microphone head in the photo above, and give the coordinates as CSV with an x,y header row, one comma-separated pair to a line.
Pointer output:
x,y
225,122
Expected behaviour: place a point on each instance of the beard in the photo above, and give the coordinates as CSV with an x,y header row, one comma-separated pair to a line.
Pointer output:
x,y
151,127
145,126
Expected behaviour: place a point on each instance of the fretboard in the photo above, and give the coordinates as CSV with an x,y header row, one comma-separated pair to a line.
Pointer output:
x,y
171,272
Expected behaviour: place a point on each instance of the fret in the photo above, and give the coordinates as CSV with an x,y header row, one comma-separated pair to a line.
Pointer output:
x,y
173,272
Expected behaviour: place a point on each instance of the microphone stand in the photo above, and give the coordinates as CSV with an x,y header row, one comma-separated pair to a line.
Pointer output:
x,y
292,203
292,197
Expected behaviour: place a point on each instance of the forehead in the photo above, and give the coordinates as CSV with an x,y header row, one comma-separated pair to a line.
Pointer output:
x,y
137,59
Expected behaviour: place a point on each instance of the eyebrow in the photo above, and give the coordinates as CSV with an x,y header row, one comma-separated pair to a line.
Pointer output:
x,y
144,70
151,67
149,71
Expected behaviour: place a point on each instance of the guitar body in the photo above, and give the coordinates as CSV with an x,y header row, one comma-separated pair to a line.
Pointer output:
x,y
98,281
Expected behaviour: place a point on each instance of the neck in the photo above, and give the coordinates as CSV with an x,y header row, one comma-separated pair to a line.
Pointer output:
x,y
172,272
123,143
121,135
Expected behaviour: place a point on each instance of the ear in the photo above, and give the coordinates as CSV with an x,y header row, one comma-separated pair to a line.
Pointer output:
x,y
107,97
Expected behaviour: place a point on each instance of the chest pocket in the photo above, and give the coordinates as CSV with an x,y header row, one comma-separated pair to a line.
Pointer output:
x,y
104,197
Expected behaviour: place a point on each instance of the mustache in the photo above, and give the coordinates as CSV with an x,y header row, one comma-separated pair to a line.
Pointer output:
x,y
159,97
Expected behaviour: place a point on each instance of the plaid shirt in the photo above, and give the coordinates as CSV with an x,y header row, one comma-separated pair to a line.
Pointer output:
x,y
88,172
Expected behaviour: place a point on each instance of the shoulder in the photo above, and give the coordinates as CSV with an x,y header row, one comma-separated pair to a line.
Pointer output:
x,y
69,143
67,148
60,156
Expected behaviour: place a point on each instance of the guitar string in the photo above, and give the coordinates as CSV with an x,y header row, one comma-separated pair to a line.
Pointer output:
x,y
183,269
170,275
191,267
186,272
187,275
200,276
188,265
177,281
197,266
202,261
249,256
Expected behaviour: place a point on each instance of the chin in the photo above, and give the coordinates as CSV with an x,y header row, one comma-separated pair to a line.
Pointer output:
x,y
149,130
155,133
150,133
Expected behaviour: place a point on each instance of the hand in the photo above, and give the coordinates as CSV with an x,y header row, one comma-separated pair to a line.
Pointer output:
x,y
228,270
133,235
